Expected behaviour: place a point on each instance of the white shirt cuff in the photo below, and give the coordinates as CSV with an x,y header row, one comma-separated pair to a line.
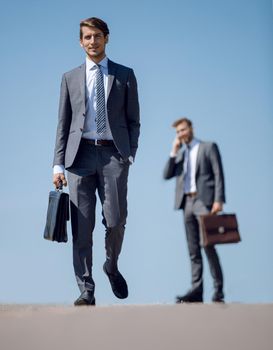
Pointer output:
x,y
172,155
58,169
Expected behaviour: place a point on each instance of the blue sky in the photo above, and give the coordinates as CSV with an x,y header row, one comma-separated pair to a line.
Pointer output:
x,y
210,60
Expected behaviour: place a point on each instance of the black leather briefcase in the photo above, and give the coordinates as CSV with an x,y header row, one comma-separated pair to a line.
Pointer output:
x,y
219,229
57,216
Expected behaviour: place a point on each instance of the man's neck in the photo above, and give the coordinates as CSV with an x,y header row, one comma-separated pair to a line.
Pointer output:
x,y
96,59
190,141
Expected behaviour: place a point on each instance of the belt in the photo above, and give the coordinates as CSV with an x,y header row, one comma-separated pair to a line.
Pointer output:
x,y
98,142
191,194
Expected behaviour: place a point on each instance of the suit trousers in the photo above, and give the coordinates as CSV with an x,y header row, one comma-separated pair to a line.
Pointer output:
x,y
193,208
97,170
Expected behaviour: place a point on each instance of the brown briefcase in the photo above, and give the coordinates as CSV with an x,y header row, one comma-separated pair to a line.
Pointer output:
x,y
219,229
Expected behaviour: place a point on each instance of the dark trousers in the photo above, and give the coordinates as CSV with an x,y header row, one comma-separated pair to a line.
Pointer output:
x,y
192,210
97,170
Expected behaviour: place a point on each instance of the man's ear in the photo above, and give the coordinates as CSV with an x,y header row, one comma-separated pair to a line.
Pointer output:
x,y
81,44
106,38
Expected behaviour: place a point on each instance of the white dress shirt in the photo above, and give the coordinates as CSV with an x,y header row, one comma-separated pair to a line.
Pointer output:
x,y
189,166
90,126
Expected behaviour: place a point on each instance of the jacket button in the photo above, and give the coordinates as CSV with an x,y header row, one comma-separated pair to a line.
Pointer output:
x,y
81,129
83,114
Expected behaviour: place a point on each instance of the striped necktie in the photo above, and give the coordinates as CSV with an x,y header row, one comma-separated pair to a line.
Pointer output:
x,y
100,102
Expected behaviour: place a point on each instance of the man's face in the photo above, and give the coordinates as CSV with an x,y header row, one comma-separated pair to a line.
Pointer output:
x,y
184,132
93,42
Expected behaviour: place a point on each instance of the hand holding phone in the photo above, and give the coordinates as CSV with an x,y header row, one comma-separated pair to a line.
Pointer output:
x,y
177,144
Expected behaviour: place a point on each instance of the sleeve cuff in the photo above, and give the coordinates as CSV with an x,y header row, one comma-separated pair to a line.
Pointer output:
x,y
172,155
57,169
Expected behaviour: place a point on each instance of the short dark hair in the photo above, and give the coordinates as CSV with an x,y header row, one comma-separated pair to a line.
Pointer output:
x,y
182,120
94,22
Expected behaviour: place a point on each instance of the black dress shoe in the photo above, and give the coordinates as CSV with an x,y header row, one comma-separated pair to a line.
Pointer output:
x,y
86,298
190,297
118,283
218,297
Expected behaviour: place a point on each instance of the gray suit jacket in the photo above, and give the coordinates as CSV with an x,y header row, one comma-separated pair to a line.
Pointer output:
x,y
122,109
209,175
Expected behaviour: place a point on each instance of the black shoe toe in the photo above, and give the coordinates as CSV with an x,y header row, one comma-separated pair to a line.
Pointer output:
x,y
118,283
190,297
218,297
86,299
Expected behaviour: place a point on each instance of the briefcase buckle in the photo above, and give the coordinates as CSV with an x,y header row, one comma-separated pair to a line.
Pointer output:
x,y
221,229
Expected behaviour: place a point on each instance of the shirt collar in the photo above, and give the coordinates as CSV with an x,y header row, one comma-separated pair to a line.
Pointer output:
x,y
193,143
90,64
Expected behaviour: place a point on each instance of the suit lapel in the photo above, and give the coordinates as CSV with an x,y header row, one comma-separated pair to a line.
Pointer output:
x,y
82,83
111,76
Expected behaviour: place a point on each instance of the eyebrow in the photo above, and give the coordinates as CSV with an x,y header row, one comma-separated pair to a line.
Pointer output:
x,y
180,129
96,35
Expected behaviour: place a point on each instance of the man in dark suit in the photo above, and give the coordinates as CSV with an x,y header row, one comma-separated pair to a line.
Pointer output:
x,y
200,190
97,139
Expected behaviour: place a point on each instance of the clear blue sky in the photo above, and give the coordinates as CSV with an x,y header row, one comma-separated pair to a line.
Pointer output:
x,y
210,60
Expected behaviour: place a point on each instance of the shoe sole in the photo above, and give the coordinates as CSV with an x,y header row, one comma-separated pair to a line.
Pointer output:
x,y
84,302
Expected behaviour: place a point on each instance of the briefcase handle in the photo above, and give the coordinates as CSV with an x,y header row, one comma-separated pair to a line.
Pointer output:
x,y
222,212
59,188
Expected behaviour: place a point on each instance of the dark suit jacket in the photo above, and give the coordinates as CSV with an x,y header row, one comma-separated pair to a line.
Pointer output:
x,y
209,175
122,109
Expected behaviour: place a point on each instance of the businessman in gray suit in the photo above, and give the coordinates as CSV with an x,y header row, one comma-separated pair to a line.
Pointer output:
x,y
200,190
97,139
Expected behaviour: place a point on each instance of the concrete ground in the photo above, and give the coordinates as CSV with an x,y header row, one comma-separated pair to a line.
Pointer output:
x,y
137,327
